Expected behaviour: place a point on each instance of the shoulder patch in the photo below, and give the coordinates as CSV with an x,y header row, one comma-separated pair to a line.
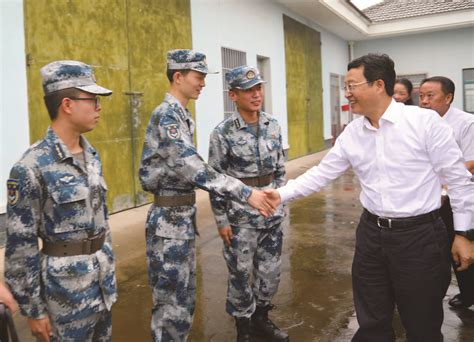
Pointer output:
x,y
13,192
172,131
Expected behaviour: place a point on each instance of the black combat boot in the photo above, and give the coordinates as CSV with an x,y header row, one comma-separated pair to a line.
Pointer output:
x,y
243,329
263,326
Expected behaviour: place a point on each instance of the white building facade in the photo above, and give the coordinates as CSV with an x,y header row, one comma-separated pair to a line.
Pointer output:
x,y
256,29
14,136
441,53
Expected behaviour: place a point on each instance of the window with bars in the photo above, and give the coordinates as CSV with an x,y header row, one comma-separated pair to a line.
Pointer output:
x,y
230,59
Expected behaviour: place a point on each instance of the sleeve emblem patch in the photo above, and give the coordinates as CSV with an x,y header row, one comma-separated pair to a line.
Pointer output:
x,y
13,192
172,131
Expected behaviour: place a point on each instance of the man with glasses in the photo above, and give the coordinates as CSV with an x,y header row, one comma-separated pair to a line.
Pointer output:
x,y
57,192
401,155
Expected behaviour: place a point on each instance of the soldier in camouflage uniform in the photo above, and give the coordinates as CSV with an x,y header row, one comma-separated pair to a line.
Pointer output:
x,y
56,192
248,146
171,169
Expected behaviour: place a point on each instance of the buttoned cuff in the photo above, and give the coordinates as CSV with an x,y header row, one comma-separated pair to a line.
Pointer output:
x,y
34,311
222,221
462,221
246,192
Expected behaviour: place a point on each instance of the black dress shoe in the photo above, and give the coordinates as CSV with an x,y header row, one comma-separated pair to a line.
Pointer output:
x,y
458,302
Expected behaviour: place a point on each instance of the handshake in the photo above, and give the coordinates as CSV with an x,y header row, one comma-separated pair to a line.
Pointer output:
x,y
265,201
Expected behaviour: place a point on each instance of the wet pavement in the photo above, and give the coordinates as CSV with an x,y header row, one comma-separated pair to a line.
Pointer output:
x,y
314,300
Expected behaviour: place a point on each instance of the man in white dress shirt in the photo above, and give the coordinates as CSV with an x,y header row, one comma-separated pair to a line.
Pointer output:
x,y
401,155
437,93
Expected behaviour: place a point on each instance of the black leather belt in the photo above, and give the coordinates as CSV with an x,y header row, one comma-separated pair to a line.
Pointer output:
x,y
175,201
258,181
401,223
70,248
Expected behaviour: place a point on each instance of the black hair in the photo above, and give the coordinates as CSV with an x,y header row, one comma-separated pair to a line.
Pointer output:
x,y
447,85
376,67
409,86
170,73
53,100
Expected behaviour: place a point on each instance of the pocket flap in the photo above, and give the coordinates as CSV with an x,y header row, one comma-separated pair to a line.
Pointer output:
x,y
69,194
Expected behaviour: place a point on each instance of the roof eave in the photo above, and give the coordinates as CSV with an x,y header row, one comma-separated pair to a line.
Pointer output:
x,y
345,10
431,23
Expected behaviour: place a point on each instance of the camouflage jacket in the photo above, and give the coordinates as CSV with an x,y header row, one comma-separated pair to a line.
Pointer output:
x,y
235,149
171,166
51,196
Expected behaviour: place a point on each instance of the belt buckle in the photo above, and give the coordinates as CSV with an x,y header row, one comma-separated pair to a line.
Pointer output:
x,y
379,222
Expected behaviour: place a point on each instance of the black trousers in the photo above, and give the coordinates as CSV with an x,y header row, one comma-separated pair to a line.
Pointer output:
x,y
465,278
409,268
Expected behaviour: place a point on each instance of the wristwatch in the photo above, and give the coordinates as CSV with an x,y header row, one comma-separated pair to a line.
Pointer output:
x,y
468,234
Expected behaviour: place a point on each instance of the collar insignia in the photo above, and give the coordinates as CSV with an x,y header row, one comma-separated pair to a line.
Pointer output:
x,y
237,123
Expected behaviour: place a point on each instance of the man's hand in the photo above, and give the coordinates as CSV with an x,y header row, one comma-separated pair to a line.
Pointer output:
x,y
470,166
273,197
41,328
258,200
226,234
7,298
462,252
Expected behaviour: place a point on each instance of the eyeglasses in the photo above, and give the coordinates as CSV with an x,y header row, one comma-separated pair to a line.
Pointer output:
x,y
350,87
95,99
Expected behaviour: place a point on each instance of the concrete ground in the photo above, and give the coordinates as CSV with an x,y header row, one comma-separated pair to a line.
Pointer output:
x,y
314,301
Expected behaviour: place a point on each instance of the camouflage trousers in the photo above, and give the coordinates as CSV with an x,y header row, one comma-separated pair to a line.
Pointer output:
x,y
253,260
172,277
93,328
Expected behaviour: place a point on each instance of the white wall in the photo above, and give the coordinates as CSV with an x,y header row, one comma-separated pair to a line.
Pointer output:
x,y
334,59
255,27
442,53
14,137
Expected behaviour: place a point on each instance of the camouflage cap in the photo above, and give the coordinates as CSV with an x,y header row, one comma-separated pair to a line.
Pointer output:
x,y
182,59
60,75
243,77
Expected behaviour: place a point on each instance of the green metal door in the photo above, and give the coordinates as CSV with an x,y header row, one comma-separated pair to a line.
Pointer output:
x,y
304,89
154,27
126,42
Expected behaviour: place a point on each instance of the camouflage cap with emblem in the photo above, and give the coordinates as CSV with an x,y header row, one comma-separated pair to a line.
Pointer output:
x,y
183,59
60,75
243,77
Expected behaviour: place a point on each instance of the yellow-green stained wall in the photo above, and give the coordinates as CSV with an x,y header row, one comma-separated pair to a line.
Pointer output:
x,y
126,41
304,88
